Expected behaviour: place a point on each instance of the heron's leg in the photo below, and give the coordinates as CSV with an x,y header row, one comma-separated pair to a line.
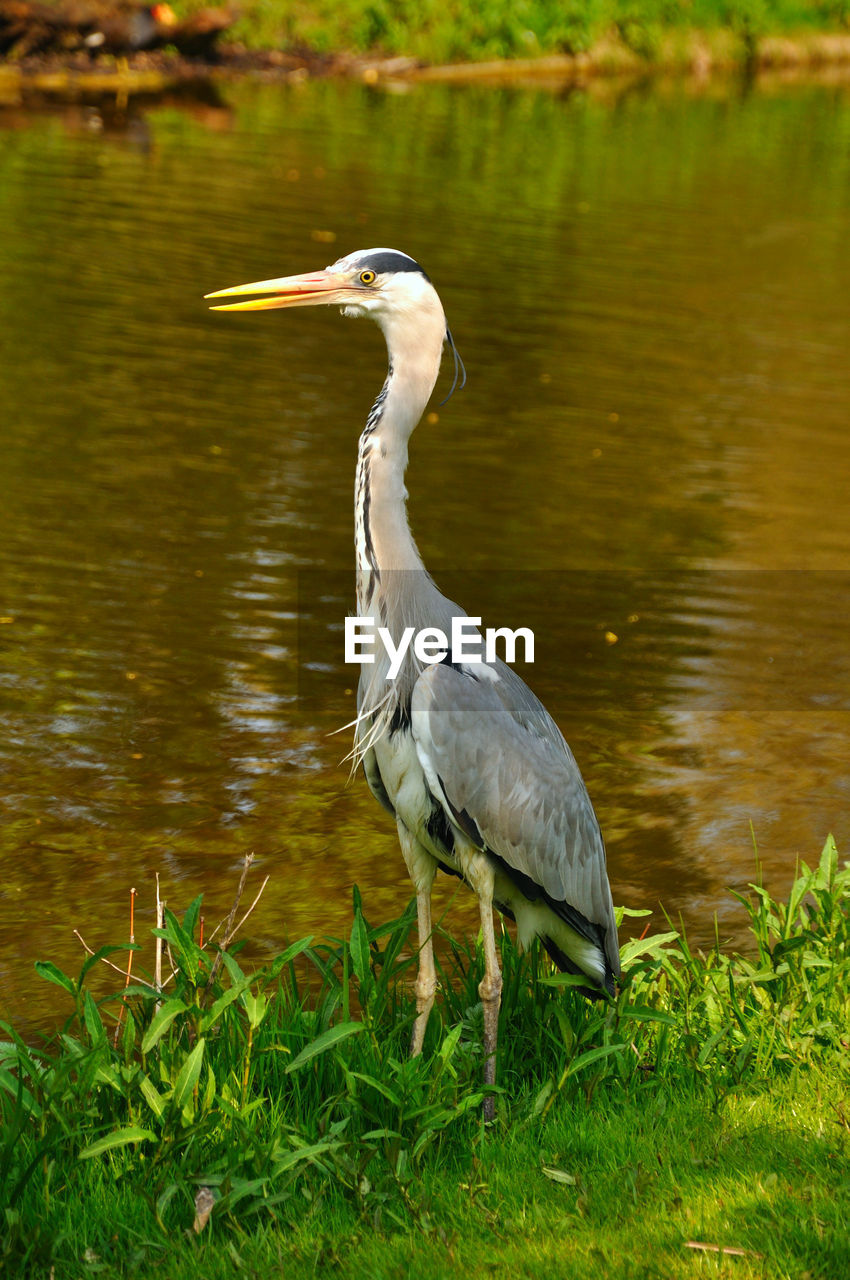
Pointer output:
x,y
480,876
490,991
426,980
422,868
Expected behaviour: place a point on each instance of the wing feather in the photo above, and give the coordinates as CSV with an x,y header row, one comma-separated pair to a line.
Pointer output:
x,y
503,766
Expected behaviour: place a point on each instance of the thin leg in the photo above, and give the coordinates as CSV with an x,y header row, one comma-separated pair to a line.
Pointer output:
x,y
490,991
426,979
422,869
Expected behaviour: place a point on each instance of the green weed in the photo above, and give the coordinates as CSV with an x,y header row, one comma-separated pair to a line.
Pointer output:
x,y
460,30
289,1089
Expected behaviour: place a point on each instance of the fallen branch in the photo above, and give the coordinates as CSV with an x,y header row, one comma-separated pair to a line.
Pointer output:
x,y
722,1248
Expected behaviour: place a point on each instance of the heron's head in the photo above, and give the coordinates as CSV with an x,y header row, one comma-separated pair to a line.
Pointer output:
x,y
385,284
382,283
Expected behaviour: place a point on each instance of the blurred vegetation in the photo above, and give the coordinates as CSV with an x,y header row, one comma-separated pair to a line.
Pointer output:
x,y
440,31
277,1112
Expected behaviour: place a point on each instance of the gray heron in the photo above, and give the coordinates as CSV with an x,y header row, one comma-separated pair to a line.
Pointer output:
x,y
474,770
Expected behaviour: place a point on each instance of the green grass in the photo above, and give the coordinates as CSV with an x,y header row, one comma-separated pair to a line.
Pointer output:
x,y
708,1103
441,31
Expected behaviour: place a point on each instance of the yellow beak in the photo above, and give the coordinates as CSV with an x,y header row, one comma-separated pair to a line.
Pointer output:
x,y
291,291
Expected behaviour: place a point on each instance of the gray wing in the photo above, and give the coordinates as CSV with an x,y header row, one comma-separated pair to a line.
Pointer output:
x,y
510,778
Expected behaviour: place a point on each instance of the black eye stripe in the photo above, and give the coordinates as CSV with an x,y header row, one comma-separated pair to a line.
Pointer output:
x,y
391,262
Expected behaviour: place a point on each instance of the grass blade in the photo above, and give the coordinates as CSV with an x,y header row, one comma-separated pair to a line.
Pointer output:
x,y
329,1038
118,1138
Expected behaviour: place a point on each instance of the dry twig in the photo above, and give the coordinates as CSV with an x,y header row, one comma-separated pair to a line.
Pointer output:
x,y
238,926
103,959
158,985
129,963
240,889
228,926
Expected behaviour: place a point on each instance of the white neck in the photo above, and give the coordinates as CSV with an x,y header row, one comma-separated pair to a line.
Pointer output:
x,y
383,541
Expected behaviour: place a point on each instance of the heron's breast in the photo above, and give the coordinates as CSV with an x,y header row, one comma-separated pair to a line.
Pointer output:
x,y
407,787
403,779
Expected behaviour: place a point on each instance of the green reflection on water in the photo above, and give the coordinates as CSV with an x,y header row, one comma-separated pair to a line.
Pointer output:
x,y
651,297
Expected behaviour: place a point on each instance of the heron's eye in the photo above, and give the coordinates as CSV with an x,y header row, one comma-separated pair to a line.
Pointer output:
x,y
367,277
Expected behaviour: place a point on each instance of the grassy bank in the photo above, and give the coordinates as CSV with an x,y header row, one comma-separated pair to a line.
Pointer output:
x,y
272,1123
445,31
497,41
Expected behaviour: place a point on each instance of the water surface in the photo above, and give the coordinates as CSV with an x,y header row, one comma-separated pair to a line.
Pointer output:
x,y
648,466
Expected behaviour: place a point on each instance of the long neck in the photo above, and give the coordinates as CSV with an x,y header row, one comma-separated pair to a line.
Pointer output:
x,y
383,541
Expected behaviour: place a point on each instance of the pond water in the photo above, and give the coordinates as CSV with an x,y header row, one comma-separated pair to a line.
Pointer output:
x,y
649,466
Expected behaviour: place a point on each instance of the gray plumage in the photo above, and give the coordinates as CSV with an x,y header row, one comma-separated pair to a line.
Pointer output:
x,y
494,761
504,763
472,766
